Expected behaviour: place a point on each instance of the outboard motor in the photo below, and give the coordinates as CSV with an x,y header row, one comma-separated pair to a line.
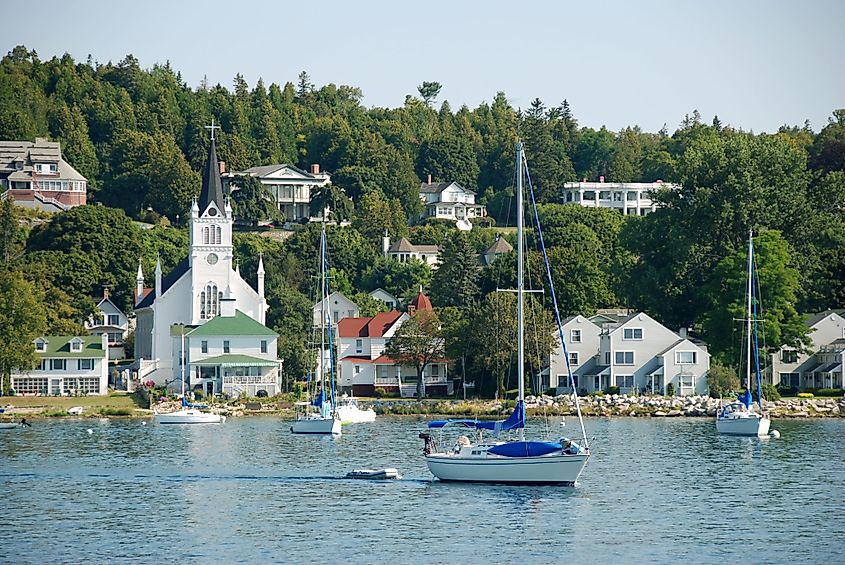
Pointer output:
x,y
429,443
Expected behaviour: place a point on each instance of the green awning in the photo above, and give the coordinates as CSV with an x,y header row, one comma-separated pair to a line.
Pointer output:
x,y
232,360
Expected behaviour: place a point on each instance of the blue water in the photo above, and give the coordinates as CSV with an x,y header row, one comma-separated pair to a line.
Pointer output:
x,y
655,490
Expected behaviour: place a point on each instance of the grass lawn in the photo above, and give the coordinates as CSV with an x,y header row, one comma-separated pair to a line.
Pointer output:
x,y
91,404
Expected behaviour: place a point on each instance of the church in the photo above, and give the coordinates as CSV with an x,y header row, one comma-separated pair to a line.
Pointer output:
x,y
203,322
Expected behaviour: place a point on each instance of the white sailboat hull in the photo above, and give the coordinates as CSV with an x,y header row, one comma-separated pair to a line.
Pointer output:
x,y
752,425
189,416
354,415
326,426
544,469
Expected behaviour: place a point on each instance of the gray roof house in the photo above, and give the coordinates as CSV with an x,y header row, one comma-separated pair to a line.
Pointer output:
x,y
35,175
290,186
822,367
403,250
449,201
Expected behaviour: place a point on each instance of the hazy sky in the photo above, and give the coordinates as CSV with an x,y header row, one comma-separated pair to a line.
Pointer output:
x,y
756,64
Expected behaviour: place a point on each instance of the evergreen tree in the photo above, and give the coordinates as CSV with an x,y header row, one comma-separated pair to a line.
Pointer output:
x,y
455,282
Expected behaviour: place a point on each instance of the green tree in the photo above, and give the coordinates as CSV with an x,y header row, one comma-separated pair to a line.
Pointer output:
x,y
721,380
21,321
252,202
448,159
429,90
455,283
417,343
334,199
376,215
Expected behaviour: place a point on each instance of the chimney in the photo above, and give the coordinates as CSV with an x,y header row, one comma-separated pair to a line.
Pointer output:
x,y
105,292
315,169
682,332
385,243
227,307
429,179
601,178
222,166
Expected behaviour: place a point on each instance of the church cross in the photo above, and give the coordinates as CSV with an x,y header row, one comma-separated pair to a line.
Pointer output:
x,y
212,127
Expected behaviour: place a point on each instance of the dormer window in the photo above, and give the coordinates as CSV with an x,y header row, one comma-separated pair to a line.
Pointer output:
x,y
40,345
76,345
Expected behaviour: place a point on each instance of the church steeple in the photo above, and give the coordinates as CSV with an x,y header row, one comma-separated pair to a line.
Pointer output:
x,y
212,186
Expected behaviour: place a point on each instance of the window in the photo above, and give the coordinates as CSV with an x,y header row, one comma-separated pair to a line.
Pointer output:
x,y
263,346
624,357
114,320
625,381
606,358
573,357
336,316
357,369
225,346
204,347
685,358
86,364
604,195
210,301
350,313
686,381
58,364
114,337
435,370
211,235
76,346
30,385
575,336
40,345
43,365
788,356
632,334
359,346
631,195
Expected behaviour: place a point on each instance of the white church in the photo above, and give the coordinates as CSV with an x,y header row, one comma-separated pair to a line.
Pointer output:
x,y
203,322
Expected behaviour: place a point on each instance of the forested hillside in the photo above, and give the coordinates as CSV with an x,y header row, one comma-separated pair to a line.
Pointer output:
x,y
139,136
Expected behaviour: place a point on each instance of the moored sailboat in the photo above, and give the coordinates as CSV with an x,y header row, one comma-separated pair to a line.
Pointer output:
x,y
518,461
744,418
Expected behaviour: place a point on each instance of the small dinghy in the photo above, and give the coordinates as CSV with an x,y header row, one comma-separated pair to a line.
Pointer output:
x,y
76,411
374,474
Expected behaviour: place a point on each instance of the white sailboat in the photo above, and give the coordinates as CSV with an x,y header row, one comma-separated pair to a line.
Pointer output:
x,y
744,418
187,414
351,413
519,461
318,416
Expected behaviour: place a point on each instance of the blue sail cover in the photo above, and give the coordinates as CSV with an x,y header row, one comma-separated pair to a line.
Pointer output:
x,y
745,398
319,399
526,448
515,421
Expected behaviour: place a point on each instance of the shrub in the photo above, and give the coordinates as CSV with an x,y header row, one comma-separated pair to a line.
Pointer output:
x,y
106,411
670,389
829,392
612,390
770,392
721,380
379,392
198,395
805,395
787,390
483,221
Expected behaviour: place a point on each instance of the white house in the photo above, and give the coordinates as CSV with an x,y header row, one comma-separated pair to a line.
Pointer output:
x,y
817,369
35,175
403,251
195,292
364,367
389,300
336,307
635,353
290,186
630,198
449,201
69,365
499,247
111,321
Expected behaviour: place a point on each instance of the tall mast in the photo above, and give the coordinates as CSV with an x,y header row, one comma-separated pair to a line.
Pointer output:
x,y
520,287
323,300
748,317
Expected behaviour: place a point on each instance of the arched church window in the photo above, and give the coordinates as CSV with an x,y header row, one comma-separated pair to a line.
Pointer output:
x,y
217,234
210,302
205,235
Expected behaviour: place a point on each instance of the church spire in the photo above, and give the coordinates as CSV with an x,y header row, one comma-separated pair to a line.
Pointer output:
x,y
212,186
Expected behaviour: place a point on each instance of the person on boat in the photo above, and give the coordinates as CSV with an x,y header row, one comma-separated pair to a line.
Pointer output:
x,y
570,447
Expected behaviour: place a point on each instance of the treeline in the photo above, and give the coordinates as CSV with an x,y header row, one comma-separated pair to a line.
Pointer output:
x,y
139,136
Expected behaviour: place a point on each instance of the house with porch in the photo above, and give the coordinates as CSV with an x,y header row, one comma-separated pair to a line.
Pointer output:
x,y
633,352
628,198
289,186
364,367
68,365
35,175
449,201
403,251
820,367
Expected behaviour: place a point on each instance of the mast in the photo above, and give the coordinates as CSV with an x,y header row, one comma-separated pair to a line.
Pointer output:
x,y
748,317
323,300
520,287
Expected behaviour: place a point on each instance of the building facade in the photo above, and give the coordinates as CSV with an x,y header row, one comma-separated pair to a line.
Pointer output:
x,y
111,321
68,366
36,176
629,198
403,251
290,187
449,201
822,366
633,352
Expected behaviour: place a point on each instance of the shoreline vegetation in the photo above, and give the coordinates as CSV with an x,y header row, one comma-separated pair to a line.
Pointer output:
x,y
616,405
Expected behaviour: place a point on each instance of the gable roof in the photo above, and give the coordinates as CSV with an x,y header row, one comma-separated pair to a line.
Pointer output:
x,y
501,245
212,186
59,346
420,302
813,319
438,187
109,300
171,279
238,325
402,245
376,326
266,170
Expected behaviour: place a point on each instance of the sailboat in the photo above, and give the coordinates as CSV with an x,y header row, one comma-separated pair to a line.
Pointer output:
x,y
318,416
744,418
520,460
188,413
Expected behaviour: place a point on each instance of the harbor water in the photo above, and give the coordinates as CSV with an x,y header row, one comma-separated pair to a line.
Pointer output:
x,y
655,490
